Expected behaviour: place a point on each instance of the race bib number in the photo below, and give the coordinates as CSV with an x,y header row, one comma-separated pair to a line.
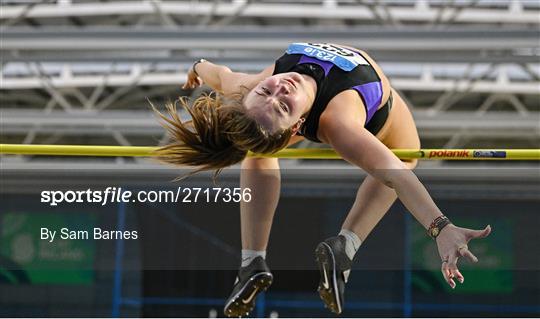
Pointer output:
x,y
343,58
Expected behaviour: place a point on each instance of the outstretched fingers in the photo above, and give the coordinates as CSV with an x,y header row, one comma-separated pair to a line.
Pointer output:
x,y
193,81
446,272
192,84
473,234
465,252
450,271
452,246
454,271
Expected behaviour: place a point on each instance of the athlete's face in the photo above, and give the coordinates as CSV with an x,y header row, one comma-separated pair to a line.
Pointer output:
x,y
279,101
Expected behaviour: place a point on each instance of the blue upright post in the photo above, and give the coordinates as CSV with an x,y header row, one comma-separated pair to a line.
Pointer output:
x,y
117,284
260,305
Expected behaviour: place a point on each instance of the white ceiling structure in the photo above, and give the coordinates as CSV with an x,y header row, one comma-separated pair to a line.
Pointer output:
x,y
80,72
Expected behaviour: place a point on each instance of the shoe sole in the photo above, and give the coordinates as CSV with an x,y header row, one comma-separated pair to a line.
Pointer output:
x,y
244,301
327,267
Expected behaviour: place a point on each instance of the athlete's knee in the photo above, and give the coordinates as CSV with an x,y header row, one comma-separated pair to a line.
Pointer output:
x,y
260,163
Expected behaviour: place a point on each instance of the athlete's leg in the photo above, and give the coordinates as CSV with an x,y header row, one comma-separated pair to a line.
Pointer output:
x,y
373,200
334,255
262,177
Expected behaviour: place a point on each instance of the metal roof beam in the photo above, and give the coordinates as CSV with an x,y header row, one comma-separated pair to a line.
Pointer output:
x,y
501,84
398,12
274,38
444,124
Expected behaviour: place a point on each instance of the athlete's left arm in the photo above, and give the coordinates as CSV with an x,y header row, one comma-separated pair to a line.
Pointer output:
x,y
359,147
221,78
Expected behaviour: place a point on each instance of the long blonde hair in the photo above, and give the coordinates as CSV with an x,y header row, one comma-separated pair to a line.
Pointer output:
x,y
219,134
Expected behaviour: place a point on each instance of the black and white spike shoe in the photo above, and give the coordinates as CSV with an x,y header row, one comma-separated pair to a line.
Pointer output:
x,y
335,268
251,280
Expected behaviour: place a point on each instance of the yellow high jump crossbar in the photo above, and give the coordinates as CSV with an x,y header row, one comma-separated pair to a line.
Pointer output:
x,y
297,153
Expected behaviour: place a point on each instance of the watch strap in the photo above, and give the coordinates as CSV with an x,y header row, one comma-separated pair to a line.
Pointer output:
x,y
437,225
195,64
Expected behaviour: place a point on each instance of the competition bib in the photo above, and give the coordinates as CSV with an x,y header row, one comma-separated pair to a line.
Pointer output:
x,y
343,58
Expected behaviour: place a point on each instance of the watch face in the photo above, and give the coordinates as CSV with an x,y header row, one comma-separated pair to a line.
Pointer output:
x,y
434,232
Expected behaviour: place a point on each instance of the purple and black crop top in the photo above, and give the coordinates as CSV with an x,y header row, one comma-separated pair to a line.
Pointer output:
x,y
335,69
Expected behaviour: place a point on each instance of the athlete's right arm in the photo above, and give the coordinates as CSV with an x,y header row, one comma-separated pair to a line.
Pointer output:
x,y
221,79
346,134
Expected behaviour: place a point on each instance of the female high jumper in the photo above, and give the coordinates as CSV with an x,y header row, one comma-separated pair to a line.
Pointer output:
x,y
326,93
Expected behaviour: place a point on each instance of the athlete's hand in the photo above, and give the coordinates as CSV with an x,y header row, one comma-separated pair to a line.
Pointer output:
x,y
193,81
452,244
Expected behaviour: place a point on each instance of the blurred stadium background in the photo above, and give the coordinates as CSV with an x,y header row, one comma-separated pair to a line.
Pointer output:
x,y
82,72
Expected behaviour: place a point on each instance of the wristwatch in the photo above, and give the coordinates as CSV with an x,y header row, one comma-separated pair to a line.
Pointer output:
x,y
437,225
